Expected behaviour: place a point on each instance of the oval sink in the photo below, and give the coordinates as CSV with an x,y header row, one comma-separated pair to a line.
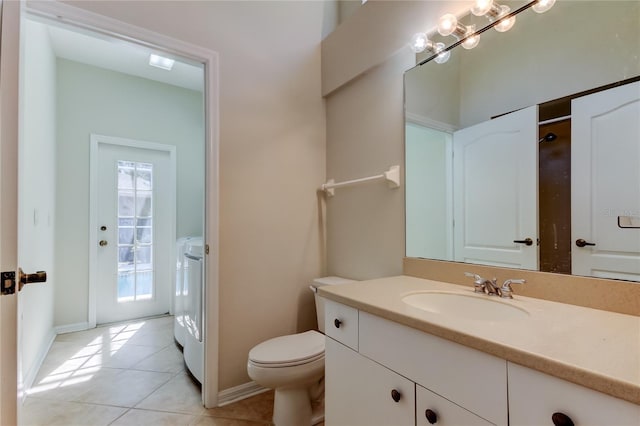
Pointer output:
x,y
468,306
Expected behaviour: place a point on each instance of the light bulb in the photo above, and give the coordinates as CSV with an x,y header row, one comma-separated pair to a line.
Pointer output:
x,y
419,42
442,56
505,24
472,41
543,5
447,24
481,7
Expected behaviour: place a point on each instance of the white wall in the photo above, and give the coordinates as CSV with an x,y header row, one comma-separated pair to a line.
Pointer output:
x,y
37,194
94,100
428,180
272,157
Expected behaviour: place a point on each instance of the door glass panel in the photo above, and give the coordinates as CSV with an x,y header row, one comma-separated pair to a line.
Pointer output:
x,y
143,203
144,235
135,231
125,235
125,203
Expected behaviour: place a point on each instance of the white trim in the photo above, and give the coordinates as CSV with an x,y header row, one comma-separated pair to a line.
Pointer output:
x,y
236,393
449,195
30,376
123,31
95,142
423,121
72,328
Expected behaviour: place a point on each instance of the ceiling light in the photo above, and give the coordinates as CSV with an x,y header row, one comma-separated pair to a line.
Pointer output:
x,y
495,12
481,7
543,5
472,39
161,62
504,24
448,25
420,42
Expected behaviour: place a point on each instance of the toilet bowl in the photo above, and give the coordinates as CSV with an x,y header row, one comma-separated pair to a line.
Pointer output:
x,y
293,365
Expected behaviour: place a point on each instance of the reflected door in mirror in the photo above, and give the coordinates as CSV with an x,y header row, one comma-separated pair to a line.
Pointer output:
x,y
606,182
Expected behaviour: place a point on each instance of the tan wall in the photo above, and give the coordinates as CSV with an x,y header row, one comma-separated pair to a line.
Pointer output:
x,y
272,158
363,63
376,31
365,223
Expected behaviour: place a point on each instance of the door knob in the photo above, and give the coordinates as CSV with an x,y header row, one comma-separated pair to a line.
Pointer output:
x,y
103,243
38,277
526,241
582,243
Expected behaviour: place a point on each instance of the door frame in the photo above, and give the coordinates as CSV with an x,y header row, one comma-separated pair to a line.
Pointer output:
x,y
109,27
94,158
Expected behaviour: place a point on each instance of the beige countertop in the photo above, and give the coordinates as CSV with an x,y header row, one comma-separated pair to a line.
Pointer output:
x,y
593,348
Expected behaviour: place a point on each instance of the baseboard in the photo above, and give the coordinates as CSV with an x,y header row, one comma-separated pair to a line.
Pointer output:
x,y
30,376
237,393
70,328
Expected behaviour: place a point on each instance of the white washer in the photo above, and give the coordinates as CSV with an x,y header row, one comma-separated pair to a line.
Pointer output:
x,y
193,295
178,296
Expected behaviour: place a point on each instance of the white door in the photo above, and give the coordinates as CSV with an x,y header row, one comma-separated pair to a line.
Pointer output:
x,y
134,229
9,61
605,183
495,187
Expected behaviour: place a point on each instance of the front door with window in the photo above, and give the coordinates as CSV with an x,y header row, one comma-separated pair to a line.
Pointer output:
x,y
134,231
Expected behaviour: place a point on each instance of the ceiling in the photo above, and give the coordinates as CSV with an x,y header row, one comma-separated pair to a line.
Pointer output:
x,y
121,56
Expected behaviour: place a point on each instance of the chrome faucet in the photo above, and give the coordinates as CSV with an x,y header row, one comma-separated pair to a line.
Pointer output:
x,y
490,287
482,285
506,291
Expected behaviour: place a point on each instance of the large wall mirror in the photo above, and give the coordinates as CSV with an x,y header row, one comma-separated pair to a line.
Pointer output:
x,y
524,152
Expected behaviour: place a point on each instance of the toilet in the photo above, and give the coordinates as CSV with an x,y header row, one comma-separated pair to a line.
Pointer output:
x,y
293,365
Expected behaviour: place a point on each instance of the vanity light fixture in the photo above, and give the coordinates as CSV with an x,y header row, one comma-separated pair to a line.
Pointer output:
x,y
420,42
494,12
542,6
448,25
161,62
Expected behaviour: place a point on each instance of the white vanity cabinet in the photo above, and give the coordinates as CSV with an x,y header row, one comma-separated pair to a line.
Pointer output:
x,y
368,358
373,380
535,397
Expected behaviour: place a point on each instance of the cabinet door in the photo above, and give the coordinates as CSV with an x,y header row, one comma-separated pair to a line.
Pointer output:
x,y
359,391
534,397
434,409
468,377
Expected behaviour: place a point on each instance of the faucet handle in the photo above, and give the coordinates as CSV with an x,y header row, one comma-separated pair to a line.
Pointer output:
x,y
478,282
506,290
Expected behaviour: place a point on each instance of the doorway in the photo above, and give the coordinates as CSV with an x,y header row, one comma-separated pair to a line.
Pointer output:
x,y
132,223
68,204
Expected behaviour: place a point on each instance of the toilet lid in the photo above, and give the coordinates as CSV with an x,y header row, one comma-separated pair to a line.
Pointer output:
x,y
293,349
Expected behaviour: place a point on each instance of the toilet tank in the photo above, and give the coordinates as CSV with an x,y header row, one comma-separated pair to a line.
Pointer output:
x,y
319,282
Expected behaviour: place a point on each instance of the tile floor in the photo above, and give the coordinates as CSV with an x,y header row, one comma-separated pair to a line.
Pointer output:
x,y
127,374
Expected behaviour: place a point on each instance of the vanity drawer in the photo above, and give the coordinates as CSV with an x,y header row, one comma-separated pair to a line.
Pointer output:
x,y
534,397
469,378
442,412
341,323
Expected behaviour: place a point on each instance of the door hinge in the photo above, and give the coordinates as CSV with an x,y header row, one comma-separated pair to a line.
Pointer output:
x,y
8,282
206,248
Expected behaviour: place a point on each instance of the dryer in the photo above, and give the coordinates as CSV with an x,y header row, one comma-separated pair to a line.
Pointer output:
x,y
193,296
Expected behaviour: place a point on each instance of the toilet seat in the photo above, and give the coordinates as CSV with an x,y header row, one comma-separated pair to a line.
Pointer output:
x,y
288,351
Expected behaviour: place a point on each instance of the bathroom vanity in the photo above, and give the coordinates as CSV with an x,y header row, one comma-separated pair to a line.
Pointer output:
x,y
393,361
